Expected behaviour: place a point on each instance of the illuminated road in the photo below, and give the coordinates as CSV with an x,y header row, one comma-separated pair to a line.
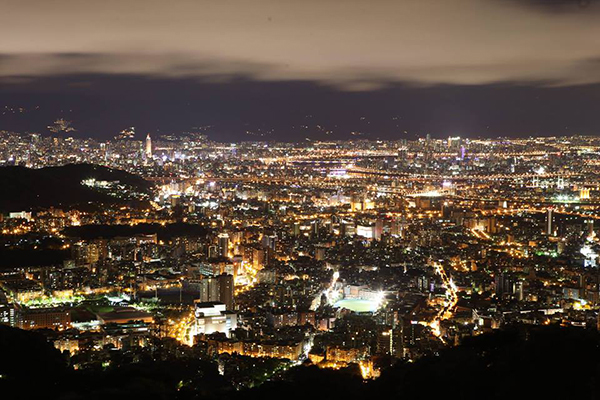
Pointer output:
x,y
480,234
451,299
428,177
542,210
183,330
328,292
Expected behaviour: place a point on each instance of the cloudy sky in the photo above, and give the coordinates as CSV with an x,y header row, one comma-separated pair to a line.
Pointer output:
x,y
363,54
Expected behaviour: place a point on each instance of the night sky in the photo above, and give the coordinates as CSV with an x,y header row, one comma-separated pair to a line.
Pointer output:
x,y
290,70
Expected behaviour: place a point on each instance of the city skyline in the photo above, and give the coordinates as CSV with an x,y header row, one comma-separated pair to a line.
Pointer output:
x,y
354,199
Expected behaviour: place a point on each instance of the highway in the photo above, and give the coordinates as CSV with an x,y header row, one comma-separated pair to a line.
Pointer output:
x,y
451,299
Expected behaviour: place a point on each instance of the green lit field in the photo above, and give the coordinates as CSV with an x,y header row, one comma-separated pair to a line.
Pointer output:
x,y
357,305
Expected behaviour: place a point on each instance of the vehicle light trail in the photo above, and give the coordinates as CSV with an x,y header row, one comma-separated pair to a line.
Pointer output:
x,y
449,303
183,330
480,234
328,292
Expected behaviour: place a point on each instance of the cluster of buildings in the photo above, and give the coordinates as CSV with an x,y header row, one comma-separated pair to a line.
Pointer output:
x,y
336,253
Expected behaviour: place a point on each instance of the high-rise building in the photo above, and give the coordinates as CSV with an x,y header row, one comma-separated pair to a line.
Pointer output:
x,y
315,229
259,257
269,241
226,290
148,147
549,222
320,252
218,288
209,289
509,286
590,229
223,244
384,341
378,229
213,252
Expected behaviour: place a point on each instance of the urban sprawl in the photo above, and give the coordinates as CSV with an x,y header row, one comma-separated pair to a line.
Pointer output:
x,y
331,254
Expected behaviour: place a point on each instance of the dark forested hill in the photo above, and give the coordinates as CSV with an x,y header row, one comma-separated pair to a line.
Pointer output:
x,y
164,232
25,188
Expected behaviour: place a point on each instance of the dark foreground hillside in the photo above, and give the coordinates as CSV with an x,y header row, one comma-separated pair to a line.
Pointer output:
x,y
518,363
164,232
61,187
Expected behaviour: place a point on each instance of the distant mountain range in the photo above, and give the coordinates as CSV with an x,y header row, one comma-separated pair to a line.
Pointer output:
x,y
63,187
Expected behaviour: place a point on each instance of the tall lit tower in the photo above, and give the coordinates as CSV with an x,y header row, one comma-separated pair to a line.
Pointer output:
x,y
549,222
148,147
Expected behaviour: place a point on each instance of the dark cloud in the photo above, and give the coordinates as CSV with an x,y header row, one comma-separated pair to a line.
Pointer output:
x,y
243,109
562,5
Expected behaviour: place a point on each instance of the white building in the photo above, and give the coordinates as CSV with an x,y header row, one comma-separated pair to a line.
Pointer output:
x,y
214,317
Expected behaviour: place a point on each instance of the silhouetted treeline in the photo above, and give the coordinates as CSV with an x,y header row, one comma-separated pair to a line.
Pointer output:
x,y
17,258
164,232
517,363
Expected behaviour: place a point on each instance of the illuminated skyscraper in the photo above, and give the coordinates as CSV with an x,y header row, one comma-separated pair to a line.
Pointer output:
x,y
148,147
549,222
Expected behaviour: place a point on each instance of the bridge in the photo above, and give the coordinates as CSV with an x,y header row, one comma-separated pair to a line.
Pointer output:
x,y
430,177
